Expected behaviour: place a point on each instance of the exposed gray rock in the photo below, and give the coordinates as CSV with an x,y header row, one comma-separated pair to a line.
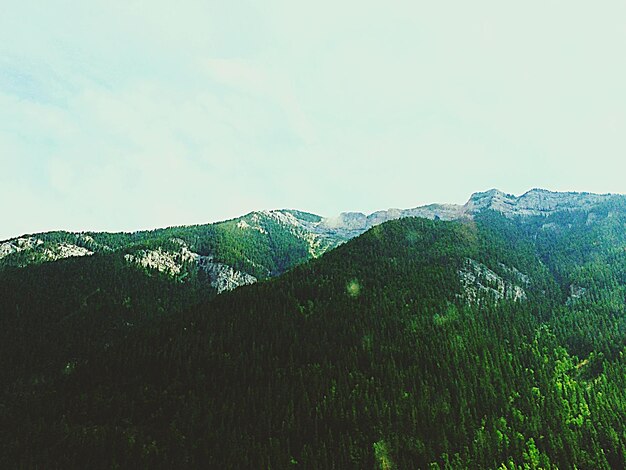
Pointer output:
x,y
164,261
49,252
318,238
224,277
19,244
437,211
349,221
536,202
477,281
65,250
516,273
576,293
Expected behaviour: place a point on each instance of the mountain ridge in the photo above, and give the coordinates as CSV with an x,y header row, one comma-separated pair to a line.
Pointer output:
x,y
432,209
266,243
534,202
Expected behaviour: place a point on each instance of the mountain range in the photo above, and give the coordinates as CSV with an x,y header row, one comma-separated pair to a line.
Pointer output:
x,y
485,335
264,244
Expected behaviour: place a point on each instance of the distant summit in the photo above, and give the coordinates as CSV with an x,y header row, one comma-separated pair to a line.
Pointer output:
x,y
536,202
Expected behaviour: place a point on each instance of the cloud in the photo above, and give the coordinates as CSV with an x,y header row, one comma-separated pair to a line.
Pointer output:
x,y
142,114
264,85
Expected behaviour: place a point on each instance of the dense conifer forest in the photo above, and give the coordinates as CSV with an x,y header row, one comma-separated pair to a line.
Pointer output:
x,y
264,248
485,343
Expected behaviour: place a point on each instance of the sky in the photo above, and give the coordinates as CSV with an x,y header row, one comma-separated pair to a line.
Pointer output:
x,y
126,115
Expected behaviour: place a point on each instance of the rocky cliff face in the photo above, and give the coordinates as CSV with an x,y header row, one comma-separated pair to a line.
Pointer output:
x,y
163,260
478,281
41,250
351,224
536,202
65,250
222,277
17,245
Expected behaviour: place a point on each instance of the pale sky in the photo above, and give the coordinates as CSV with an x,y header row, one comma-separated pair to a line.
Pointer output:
x,y
124,115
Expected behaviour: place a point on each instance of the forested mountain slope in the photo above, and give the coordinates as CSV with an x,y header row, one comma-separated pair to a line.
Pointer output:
x,y
264,244
54,314
64,294
234,252
489,342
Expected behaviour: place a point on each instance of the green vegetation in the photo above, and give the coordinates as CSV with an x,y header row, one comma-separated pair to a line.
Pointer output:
x,y
265,249
371,356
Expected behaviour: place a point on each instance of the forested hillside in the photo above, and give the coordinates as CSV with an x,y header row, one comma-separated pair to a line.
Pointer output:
x,y
54,314
261,244
488,343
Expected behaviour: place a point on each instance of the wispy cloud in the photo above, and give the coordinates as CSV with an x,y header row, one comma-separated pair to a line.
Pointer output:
x,y
142,114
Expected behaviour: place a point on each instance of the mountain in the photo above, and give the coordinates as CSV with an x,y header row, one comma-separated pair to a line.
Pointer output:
x,y
101,286
264,244
235,252
495,340
536,202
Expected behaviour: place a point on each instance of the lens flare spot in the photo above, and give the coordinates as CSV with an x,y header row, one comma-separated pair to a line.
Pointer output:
x,y
353,288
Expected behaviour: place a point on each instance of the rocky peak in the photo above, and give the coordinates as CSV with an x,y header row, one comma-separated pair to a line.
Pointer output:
x,y
350,224
346,221
534,202
492,199
541,199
